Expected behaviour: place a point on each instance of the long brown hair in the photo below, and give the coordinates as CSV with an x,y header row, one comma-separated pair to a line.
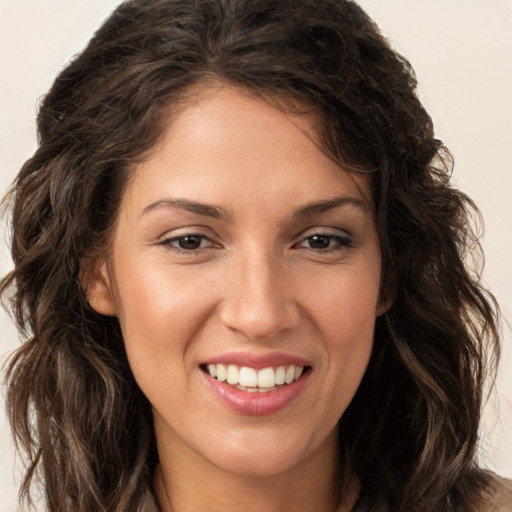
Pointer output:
x,y
411,432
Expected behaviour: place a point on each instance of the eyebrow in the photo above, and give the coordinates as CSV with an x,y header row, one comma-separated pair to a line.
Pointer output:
x,y
329,204
216,212
208,210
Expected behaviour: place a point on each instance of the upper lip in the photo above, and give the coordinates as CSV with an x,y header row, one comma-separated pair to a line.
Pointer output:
x,y
257,361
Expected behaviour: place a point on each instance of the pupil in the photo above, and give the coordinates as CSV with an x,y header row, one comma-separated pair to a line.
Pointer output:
x,y
319,242
189,242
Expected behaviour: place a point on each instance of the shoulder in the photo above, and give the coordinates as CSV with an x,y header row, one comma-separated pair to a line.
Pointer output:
x,y
498,496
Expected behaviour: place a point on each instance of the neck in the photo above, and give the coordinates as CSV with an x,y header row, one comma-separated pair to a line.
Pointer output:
x,y
187,483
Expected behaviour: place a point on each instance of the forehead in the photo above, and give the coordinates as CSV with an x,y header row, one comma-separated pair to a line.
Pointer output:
x,y
228,141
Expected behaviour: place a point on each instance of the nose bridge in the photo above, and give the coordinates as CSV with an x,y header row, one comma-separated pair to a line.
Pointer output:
x,y
259,302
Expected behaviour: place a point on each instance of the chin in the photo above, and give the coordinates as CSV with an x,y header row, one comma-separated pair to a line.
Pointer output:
x,y
257,463
259,454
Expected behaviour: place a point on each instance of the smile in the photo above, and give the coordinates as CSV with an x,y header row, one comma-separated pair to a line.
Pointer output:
x,y
250,379
256,385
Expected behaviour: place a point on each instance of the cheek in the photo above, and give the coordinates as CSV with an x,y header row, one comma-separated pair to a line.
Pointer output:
x,y
160,312
345,302
344,310
153,295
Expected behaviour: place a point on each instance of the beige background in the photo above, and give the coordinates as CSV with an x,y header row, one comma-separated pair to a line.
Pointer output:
x,y
462,52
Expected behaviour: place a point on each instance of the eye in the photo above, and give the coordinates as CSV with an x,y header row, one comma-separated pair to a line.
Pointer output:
x,y
325,242
188,242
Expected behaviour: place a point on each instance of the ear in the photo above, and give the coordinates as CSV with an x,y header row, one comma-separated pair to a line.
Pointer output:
x,y
97,286
385,302
383,307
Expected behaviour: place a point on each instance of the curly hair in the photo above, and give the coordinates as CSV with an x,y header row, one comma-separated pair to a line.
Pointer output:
x,y
411,431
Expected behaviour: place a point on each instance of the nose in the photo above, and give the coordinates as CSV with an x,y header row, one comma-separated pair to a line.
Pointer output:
x,y
259,300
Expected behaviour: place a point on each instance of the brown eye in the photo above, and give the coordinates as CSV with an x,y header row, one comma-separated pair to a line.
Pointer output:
x,y
189,242
319,241
325,242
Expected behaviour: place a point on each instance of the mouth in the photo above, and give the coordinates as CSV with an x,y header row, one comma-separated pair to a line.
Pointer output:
x,y
252,380
257,384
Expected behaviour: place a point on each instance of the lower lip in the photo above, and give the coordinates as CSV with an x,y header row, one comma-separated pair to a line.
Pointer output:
x,y
257,403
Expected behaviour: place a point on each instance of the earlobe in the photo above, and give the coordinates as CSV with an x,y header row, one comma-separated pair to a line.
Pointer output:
x,y
383,306
97,286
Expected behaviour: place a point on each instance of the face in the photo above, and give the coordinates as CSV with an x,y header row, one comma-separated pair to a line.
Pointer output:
x,y
245,271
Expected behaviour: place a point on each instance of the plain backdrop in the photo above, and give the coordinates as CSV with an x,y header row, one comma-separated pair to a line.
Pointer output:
x,y
462,53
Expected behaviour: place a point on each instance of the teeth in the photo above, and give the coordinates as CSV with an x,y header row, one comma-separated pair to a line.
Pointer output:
x,y
232,374
266,378
251,379
248,377
221,372
280,375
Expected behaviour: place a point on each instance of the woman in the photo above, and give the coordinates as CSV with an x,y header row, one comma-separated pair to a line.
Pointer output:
x,y
239,265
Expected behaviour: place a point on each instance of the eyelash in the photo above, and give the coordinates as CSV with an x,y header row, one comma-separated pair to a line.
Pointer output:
x,y
172,243
336,242
340,242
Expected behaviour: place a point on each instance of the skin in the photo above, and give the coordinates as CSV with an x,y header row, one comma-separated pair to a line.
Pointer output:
x,y
257,283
